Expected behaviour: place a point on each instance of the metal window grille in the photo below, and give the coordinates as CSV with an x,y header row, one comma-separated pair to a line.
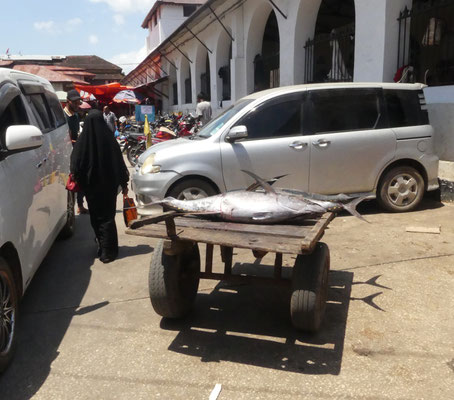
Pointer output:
x,y
330,57
426,43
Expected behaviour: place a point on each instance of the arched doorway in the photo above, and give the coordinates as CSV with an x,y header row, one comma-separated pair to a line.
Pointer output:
x,y
205,81
222,66
330,55
266,64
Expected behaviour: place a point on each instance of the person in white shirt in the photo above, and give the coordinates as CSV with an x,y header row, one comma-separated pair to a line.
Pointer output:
x,y
110,118
203,109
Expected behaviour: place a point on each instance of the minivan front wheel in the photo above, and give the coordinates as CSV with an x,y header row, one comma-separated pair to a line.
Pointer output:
x,y
8,314
401,189
192,189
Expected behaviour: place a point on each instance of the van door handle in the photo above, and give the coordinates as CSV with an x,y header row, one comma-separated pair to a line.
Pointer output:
x,y
298,145
322,143
39,164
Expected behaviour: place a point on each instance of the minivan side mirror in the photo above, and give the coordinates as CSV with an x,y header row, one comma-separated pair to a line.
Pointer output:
x,y
236,133
23,137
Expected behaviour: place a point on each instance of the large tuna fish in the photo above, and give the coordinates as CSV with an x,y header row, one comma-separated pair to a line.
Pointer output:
x,y
262,207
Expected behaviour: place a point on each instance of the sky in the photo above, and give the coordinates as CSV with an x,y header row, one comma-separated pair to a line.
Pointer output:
x,y
110,29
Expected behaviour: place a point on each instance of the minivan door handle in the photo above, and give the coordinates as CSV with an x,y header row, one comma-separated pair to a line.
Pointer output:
x,y
322,143
298,145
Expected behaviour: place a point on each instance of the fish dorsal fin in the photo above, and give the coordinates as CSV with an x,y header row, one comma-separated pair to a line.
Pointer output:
x,y
259,181
256,185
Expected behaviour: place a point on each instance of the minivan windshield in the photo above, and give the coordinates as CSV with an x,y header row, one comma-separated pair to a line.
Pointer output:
x,y
215,124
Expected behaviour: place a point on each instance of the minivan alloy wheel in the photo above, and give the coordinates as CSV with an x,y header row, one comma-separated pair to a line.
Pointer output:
x,y
192,189
7,314
192,193
401,189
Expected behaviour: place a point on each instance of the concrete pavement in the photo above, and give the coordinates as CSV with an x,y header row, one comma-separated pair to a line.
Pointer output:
x,y
88,330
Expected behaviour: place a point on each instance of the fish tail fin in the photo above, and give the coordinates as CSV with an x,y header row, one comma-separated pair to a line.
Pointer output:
x,y
351,208
154,201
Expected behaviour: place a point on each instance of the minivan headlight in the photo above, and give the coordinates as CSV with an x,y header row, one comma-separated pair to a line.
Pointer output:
x,y
148,167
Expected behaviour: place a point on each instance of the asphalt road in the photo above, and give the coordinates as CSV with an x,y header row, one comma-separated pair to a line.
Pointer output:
x,y
88,330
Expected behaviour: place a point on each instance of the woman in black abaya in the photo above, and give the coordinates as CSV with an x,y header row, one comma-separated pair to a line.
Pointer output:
x,y
98,166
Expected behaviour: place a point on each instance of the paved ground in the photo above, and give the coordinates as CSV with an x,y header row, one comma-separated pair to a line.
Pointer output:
x,y
88,330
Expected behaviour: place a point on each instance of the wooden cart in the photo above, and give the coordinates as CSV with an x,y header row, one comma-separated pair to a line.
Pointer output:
x,y
175,267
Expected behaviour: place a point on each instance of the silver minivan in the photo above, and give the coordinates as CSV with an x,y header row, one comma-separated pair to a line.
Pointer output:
x,y
325,138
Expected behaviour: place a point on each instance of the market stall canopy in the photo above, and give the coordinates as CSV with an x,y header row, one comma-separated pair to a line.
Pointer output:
x,y
85,96
128,97
149,89
103,93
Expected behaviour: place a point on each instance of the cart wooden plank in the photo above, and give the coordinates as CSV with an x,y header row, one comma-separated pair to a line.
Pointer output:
x,y
289,239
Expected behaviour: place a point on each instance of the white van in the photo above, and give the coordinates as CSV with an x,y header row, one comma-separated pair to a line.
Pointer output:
x,y
34,205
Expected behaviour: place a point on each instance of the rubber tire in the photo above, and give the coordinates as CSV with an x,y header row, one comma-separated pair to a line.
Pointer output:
x,y
382,195
7,281
310,289
70,226
178,189
172,297
130,155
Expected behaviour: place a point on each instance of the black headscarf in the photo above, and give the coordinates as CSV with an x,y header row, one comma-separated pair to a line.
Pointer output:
x,y
96,160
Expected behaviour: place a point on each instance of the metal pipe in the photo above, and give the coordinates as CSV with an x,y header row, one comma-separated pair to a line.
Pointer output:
x,y
170,62
203,44
228,33
184,55
277,8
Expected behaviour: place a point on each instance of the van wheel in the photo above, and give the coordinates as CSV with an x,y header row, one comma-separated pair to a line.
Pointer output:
x,y
401,189
70,225
9,312
192,189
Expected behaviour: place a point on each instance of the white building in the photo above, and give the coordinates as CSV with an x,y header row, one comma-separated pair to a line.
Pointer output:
x,y
165,17
230,48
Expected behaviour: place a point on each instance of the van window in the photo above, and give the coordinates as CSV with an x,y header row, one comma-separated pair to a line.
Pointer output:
x,y
56,109
406,108
345,110
277,117
40,110
13,114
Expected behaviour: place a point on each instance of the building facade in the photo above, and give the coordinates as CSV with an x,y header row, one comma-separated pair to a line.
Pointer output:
x,y
165,17
230,48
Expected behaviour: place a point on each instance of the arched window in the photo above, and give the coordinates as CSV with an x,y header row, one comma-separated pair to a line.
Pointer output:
x,y
266,64
330,55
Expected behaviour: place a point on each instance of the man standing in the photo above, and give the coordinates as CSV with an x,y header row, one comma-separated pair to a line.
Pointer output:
x,y
203,109
110,119
72,116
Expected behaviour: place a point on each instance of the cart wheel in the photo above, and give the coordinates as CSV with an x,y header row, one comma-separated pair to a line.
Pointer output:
x,y
310,288
173,280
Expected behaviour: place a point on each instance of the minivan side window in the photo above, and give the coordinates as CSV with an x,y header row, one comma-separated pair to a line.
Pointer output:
x,y
340,110
40,110
56,109
406,108
277,117
13,114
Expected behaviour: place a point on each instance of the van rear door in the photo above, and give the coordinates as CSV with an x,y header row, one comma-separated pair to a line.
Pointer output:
x,y
350,142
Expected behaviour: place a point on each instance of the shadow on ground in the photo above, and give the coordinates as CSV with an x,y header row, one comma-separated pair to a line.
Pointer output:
x,y
47,309
251,325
